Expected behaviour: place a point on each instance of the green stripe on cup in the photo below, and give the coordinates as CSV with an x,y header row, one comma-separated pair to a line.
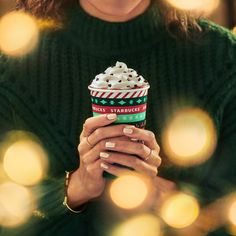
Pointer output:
x,y
119,102
128,118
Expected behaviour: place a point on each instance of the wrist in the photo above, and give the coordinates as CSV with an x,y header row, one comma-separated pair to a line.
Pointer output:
x,y
76,196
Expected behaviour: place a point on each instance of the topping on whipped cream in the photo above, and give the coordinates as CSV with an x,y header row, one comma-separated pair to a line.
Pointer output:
x,y
119,77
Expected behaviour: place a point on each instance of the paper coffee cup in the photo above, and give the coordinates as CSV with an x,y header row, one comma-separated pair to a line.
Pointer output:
x,y
129,105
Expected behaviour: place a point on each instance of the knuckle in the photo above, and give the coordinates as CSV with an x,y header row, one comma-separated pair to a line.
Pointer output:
x,y
158,149
83,160
151,135
79,148
101,145
153,172
86,124
141,148
160,161
98,133
136,162
88,168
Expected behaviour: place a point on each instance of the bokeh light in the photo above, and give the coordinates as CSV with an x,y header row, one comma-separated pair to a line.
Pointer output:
x,y
234,30
180,210
232,213
141,225
3,176
18,33
129,191
203,6
16,204
25,162
189,138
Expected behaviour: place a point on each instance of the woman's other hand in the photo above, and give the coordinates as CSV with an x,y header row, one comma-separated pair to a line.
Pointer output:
x,y
87,181
127,146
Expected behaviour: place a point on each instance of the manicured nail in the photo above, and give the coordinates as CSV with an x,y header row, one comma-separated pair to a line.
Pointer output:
x,y
104,155
110,145
104,166
128,130
134,139
111,116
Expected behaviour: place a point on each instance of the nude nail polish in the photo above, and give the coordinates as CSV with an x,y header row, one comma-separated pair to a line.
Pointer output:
x,y
128,130
104,166
110,145
104,155
111,116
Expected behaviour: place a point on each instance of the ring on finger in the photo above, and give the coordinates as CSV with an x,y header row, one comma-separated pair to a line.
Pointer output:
x,y
87,141
149,155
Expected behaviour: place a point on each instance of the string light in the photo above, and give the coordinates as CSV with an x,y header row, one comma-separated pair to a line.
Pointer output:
x,y
232,213
18,33
16,204
180,210
189,138
203,6
129,191
25,161
141,225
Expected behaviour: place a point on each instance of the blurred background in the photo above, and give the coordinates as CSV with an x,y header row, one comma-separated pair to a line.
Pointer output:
x,y
224,14
189,140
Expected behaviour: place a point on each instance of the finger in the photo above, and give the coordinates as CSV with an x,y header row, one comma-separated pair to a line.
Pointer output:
x,y
114,170
93,123
132,148
147,136
89,155
129,161
107,132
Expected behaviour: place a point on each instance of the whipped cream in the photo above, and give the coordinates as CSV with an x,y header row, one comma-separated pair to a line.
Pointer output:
x,y
119,77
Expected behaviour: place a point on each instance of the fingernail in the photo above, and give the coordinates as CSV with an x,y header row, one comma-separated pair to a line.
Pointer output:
x,y
134,139
128,130
104,166
104,155
111,116
110,145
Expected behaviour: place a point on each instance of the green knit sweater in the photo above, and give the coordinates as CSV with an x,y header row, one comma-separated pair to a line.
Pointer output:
x,y
46,93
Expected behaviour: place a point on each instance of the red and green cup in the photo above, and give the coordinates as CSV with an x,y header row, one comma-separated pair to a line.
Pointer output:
x,y
129,106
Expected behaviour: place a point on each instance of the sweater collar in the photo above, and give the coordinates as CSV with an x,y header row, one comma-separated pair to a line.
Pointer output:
x,y
93,34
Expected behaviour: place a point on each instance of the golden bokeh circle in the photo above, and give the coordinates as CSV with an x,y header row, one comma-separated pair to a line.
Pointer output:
x,y
16,204
190,137
129,191
25,162
180,210
140,225
19,33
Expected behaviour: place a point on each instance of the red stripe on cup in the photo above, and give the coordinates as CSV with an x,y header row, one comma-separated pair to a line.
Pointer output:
x,y
119,110
139,93
109,95
133,95
117,95
126,94
102,94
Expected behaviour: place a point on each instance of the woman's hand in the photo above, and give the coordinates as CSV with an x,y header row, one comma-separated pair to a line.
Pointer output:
x,y
87,181
101,146
109,144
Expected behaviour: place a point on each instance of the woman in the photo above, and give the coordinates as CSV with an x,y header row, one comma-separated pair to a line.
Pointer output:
x,y
46,93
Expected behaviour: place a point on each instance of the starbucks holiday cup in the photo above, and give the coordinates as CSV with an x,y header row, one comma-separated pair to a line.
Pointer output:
x,y
122,91
129,105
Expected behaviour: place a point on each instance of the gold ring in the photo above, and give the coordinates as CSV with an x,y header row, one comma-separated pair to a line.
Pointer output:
x,y
149,155
87,141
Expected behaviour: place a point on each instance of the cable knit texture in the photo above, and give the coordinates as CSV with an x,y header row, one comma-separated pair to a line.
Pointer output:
x,y
46,93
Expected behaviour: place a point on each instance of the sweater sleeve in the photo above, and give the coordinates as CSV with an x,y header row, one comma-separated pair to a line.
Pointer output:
x,y
50,215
